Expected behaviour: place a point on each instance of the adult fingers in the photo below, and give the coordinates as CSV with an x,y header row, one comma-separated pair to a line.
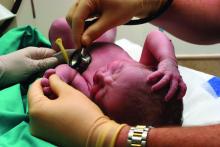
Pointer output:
x,y
62,89
76,18
40,53
43,64
103,24
35,93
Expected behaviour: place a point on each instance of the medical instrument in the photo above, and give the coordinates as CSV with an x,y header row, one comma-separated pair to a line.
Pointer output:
x,y
59,43
78,59
137,21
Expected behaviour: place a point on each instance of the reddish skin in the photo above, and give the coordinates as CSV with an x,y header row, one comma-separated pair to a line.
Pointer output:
x,y
104,80
60,28
195,26
194,21
158,51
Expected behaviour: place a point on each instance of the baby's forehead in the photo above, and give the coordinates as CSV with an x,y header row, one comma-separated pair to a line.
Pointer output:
x,y
140,67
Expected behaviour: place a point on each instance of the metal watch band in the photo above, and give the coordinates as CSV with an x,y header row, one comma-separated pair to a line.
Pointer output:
x,y
137,136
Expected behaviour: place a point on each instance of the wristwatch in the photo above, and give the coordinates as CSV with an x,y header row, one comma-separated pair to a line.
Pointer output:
x,y
137,136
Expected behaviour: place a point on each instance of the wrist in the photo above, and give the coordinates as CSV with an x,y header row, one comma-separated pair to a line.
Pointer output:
x,y
138,136
122,137
103,133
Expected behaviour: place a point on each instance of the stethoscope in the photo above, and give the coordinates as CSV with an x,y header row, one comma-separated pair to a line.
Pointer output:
x,y
81,58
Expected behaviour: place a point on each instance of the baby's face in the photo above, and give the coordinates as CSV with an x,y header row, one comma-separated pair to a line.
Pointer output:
x,y
120,89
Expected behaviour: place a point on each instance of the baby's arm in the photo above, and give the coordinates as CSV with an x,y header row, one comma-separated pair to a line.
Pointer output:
x,y
159,52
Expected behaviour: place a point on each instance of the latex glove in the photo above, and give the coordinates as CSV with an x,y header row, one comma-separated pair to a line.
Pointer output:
x,y
167,75
111,13
70,120
18,66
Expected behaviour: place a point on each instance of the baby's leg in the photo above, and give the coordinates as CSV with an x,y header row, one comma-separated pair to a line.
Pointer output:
x,y
60,28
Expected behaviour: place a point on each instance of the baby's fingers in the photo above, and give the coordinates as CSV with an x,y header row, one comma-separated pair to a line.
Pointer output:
x,y
154,77
182,91
172,90
162,83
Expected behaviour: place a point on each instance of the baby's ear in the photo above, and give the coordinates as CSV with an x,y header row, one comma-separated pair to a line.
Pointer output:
x,y
61,29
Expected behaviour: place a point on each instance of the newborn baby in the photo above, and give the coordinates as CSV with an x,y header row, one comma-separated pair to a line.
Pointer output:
x,y
148,93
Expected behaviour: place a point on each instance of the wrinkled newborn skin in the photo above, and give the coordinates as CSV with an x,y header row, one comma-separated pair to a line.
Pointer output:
x,y
118,85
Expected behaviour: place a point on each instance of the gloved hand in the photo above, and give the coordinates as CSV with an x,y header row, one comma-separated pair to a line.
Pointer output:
x,y
71,119
18,66
111,13
167,75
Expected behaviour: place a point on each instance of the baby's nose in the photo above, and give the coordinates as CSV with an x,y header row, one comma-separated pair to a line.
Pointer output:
x,y
103,78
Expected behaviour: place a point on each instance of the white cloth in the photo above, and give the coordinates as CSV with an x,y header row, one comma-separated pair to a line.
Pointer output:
x,y
200,106
5,13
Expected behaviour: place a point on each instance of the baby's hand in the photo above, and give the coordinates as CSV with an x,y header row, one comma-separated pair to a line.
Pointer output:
x,y
168,74
65,73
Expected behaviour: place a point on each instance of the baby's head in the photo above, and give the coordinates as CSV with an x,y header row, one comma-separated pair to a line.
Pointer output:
x,y
119,87
121,90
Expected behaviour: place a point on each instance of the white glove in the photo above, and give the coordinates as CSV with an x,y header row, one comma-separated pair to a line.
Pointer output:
x,y
18,66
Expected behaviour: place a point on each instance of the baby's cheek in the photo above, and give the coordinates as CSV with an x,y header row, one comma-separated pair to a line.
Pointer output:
x,y
112,105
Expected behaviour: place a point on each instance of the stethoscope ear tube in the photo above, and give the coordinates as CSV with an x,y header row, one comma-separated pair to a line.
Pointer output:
x,y
150,18
141,20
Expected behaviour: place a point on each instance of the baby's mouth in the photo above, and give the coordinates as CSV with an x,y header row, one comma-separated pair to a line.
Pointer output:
x,y
94,91
97,93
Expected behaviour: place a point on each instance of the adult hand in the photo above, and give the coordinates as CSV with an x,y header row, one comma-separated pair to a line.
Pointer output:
x,y
111,13
167,75
71,119
18,66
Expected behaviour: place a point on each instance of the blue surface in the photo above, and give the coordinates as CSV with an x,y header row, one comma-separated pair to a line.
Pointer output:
x,y
215,84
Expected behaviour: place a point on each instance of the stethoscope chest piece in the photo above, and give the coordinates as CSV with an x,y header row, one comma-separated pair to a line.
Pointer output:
x,y
80,60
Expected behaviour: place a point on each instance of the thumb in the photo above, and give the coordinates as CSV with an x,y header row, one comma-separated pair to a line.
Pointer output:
x,y
35,94
62,89
46,63
103,24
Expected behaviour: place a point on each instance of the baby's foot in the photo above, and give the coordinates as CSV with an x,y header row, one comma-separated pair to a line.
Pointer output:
x,y
65,73
45,83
